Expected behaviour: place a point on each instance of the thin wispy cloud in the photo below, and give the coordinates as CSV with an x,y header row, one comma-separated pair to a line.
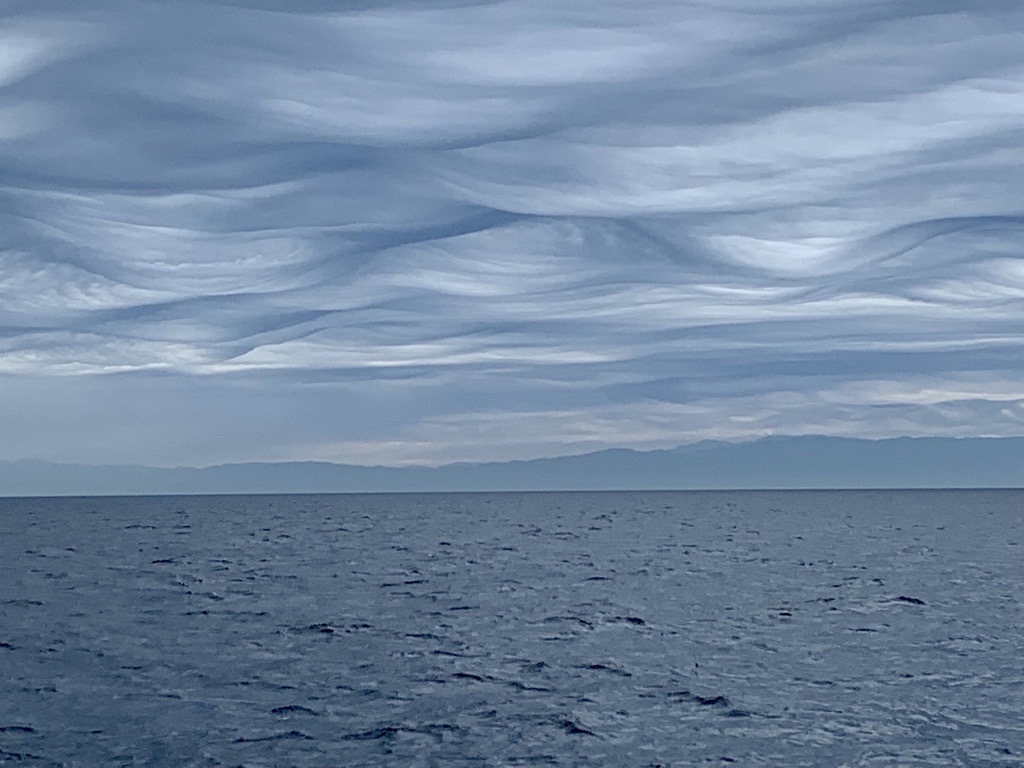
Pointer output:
x,y
420,232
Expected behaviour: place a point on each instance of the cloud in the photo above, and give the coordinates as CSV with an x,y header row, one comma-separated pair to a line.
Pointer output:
x,y
538,227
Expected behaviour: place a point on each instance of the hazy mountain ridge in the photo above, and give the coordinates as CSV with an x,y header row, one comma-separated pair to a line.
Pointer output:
x,y
774,462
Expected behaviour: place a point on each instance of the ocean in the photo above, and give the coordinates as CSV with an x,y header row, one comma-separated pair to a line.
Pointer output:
x,y
832,628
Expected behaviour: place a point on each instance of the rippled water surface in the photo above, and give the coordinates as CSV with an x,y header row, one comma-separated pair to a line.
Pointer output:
x,y
633,629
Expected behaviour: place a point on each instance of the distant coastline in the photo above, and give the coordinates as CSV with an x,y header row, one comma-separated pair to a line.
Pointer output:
x,y
804,462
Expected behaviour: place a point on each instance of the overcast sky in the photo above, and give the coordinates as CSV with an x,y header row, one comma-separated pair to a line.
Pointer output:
x,y
419,232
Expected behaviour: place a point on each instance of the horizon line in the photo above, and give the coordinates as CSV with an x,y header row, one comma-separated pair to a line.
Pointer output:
x,y
823,489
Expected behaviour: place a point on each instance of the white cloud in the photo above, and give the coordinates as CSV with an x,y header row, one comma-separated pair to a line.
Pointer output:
x,y
26,47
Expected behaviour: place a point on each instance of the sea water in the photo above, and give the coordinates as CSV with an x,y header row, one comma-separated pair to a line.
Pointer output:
x,y
572,629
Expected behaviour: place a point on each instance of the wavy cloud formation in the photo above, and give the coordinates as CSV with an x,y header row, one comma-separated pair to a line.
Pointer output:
x,y
421,232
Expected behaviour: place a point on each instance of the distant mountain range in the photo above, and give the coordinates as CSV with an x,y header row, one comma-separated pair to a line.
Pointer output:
x,y
769,463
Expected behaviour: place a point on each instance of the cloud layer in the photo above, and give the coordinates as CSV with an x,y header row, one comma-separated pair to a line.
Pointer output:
x,y
420,232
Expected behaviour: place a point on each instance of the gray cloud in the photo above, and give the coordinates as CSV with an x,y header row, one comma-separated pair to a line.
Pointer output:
x,y
417,232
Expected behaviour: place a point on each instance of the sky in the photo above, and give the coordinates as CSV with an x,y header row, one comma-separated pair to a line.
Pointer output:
x,y
411,233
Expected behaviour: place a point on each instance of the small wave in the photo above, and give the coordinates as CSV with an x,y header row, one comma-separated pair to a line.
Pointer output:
x,y
534,760
574,728
324,628
373,734
294,709
6,756
521,686
910,600
704,701
436,730
606,668
568,619
286,736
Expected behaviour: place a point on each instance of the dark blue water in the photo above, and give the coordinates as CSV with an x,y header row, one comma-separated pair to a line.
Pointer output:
x,y
784,629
